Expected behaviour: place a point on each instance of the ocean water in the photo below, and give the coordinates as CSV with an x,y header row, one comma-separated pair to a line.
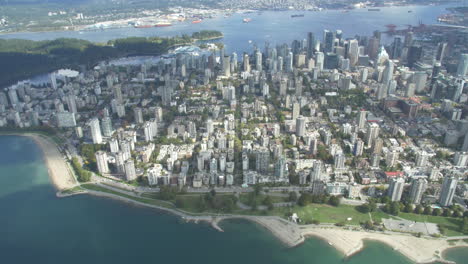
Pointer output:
x,y
275,27
37,227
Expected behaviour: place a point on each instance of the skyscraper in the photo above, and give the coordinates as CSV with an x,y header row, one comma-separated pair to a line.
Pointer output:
x,y
440,51
449,186
310,45
362,119
418,187
263,160
280,168
138,115
95,131
258,60
101,161
328,40
372,133
130,172
395,190
106,124
300,126
462,65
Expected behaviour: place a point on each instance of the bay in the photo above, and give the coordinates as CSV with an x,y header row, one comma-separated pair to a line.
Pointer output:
x,y
276,27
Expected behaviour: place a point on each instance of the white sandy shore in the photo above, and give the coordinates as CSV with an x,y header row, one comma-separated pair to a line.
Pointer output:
x,y
419,250
60,172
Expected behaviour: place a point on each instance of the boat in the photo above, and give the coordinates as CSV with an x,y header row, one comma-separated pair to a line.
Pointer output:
x,y
197,21
373,9
163,24
246,20
143,26
298,15
410,11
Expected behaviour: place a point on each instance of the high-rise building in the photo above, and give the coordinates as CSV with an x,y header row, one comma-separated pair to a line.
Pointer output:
x,y
246,63
422,158
328,40
353,52
106,125
209,126
114,145
395,190
316,172
440,51
415,54
418,187
462,65
263,160
449,185
148,131
296,110
95,131
300,126
138,115
280,168
339,161
460,159
310,45
101,161
372,133
130,172
392,158
227,66
358,147
362,119
71,102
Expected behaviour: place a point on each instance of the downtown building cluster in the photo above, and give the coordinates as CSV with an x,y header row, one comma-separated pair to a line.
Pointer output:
x,y
338,115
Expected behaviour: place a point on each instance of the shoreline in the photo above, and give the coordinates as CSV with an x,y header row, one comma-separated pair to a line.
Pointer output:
x,y
60,173
347,242
418,250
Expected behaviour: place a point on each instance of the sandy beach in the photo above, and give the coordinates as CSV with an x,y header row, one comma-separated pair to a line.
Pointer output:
x,y
419,250
60,172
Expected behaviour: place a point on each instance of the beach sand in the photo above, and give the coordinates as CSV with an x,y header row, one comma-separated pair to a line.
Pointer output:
x,y
419,250
60,172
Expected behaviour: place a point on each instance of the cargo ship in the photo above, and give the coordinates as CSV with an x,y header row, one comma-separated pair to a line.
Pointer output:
x,y
196,21
246,20
299,15
373,9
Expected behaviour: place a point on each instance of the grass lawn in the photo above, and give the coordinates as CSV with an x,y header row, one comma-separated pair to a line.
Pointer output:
x,y
325,213
244,198
138,199
451,224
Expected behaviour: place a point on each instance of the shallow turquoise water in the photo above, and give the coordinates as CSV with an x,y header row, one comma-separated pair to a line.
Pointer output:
x,y
37,227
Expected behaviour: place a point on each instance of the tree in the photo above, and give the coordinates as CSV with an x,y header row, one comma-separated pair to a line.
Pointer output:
x,y
408,208
304,199
292,197
464,225
268,202
446,212
257,189
419,209
437,212
334,200
395,208
364,208
427,210
369,225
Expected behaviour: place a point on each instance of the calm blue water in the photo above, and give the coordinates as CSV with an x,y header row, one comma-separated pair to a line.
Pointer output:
x,y
274,27
37,227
